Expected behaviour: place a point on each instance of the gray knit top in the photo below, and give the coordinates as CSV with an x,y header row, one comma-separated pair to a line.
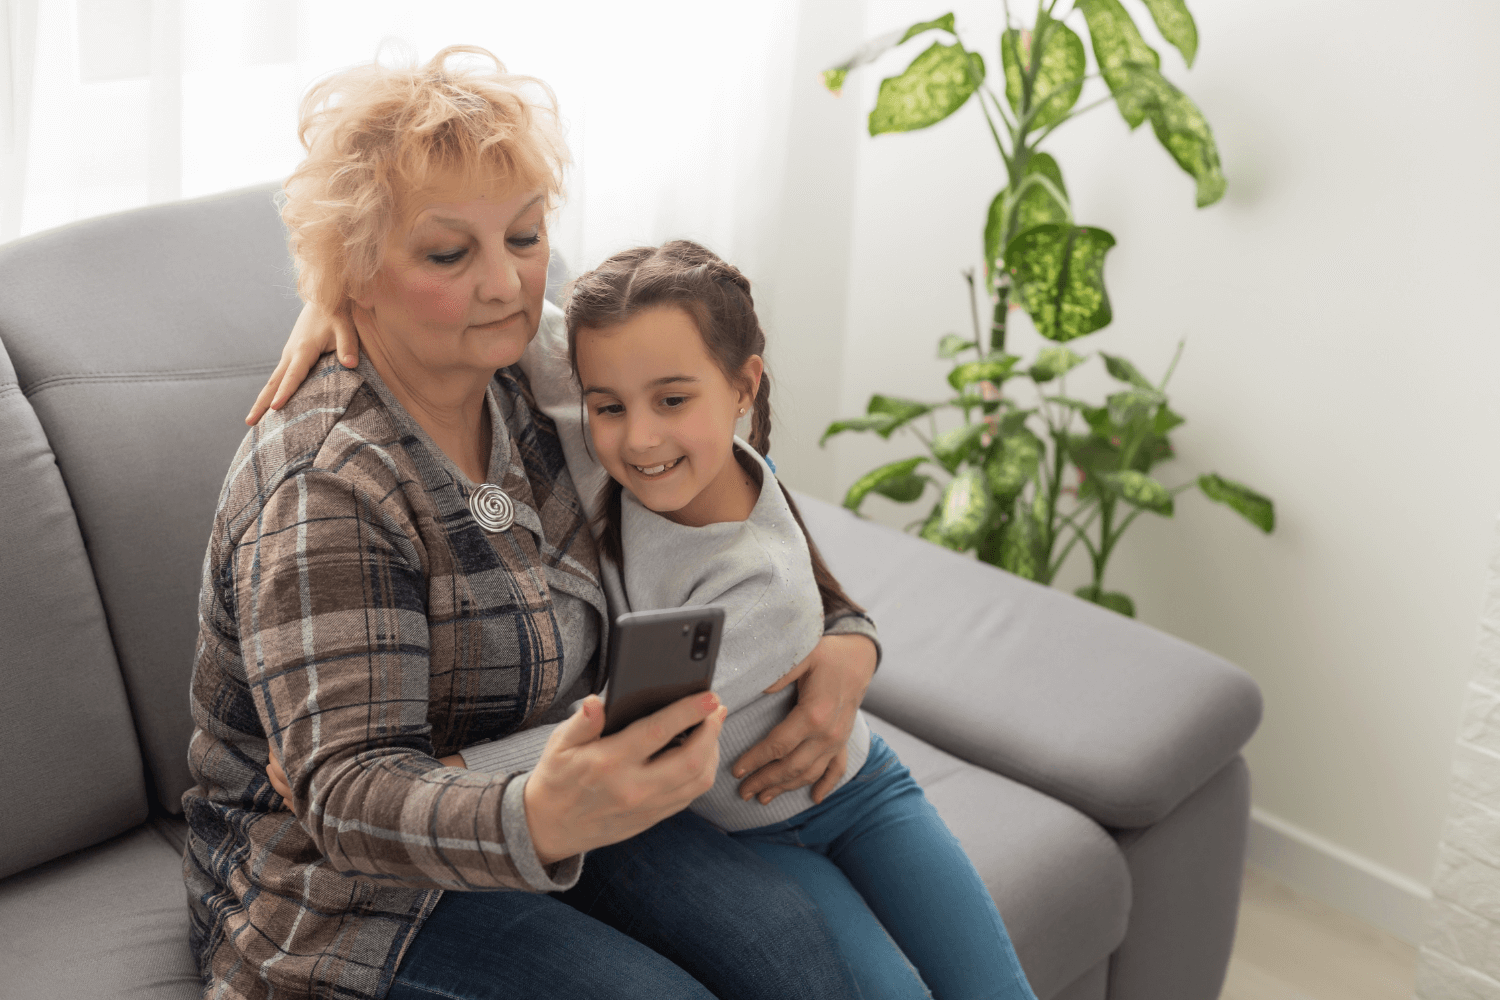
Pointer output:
x,y
760,572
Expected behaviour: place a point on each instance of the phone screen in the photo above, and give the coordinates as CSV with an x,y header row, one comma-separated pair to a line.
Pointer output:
x,y
657,657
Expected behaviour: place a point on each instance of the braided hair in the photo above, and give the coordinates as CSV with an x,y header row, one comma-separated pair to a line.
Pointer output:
x,y
716,296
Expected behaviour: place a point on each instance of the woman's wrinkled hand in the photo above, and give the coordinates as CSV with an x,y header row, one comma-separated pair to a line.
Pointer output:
x,y
314,334
588,791
810,746
284,788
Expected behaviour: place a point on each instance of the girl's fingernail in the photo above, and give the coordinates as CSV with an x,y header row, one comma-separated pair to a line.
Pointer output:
x,y
710,702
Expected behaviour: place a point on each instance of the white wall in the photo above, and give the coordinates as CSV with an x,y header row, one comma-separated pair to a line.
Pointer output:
x,y
1342,356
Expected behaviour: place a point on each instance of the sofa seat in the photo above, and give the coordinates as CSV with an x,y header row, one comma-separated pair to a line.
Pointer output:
x,y
110,922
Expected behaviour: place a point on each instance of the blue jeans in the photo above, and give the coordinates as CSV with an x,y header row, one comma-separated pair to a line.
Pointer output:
x,y
907,907
680,911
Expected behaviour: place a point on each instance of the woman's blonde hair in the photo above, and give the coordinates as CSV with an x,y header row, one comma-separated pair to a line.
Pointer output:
x,y
376,135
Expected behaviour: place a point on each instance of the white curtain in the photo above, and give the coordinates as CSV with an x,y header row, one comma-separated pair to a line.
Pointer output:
x,y
676,110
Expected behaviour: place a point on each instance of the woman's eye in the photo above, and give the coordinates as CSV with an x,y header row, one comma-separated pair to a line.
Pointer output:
x,y
526,241
451,257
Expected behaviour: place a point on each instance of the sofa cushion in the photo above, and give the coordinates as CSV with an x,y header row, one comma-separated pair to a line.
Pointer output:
x,y
1118,720
108,923
141,375
1058,879
69,762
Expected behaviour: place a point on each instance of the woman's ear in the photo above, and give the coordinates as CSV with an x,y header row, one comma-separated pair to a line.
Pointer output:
x,y
750,374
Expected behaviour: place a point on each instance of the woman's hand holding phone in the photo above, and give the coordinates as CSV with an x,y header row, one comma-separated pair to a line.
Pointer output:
x,y
589,791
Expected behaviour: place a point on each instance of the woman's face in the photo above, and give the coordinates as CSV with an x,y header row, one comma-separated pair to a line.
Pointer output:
x,y
461,284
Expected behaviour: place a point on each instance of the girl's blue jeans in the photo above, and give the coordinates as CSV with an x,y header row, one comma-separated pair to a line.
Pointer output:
x,y
907,908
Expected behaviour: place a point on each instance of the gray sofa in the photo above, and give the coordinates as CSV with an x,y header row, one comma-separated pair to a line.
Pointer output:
x,y
1090,765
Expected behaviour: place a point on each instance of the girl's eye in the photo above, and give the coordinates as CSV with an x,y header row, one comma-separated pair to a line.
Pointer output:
x,y
451,257
672,402
609,409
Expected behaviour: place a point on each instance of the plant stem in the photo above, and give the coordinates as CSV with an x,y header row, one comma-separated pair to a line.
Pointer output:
x,y
1173,366
1069,117
1106,515
973,305
1001,315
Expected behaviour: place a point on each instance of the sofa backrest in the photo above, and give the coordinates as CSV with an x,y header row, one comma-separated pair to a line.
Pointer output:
x,y
69,763
140,340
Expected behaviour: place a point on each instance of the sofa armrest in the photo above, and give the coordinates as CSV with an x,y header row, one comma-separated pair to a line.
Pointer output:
x,y
1118,720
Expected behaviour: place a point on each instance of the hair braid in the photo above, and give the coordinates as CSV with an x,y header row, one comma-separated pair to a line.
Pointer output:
x,y
760,422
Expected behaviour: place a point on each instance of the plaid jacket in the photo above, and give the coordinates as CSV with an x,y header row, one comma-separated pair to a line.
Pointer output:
x,y
354,613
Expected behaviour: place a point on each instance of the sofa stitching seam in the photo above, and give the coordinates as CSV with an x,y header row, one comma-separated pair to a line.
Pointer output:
x,y
179,375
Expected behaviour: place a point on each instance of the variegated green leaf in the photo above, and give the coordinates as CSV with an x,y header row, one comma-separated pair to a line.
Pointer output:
x,y
901,411
1179,126
962,515
1012,464
1166,420
953,448
1125,408
1123,370
1054,362
834,76
1139,490
1058,81
1176,25
952,345
936,84
1021,550
1252,506
903,489
870,480
1058,272
1037,205
1117,44
992,369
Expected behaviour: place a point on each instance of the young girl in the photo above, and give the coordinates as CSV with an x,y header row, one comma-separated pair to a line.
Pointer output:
x,y
666,347
668,352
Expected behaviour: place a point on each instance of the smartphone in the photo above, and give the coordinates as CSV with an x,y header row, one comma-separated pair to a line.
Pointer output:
x,y
657,657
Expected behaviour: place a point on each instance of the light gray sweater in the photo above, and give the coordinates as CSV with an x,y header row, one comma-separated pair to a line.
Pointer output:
x,y
760,572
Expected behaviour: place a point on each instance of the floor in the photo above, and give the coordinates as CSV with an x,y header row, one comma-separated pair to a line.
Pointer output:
x,y
1290,947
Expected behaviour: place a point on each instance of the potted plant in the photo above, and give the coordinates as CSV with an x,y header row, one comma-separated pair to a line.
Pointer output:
x,y
1027,477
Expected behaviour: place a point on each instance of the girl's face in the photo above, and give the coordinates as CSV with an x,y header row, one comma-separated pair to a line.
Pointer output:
x,y
461,285
662,414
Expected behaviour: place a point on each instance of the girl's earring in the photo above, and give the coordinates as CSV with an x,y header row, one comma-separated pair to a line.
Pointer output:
x,y
742,411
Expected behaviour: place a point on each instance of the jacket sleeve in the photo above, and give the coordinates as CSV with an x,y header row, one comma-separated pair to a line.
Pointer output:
x,y
330,598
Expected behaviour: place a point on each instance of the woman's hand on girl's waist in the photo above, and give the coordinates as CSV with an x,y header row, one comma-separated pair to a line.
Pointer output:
x,y
810,746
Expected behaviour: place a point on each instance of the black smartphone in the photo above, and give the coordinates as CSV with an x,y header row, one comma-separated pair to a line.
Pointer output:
x,y
657,657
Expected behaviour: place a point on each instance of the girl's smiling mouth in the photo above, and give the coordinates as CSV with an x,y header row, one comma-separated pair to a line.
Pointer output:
x,y
651,471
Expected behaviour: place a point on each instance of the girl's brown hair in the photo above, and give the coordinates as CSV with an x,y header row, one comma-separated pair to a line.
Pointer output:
x,y
716,296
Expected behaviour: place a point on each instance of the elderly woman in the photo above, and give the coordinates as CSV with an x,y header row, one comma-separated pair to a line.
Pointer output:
x,y
400,568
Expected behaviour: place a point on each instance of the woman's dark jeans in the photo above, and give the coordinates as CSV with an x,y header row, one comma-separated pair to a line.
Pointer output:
x,y
680,911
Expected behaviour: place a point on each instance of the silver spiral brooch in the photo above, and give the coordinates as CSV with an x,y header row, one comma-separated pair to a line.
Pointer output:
x,y
492,508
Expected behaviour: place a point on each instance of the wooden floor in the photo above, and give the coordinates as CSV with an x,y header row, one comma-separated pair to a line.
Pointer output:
x,y
1290,947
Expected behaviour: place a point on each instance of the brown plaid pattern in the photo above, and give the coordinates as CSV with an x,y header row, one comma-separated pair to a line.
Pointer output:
x,y
353,612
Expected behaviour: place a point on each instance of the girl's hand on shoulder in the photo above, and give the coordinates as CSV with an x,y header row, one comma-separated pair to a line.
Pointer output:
x,y
589,791
314,334
810,746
